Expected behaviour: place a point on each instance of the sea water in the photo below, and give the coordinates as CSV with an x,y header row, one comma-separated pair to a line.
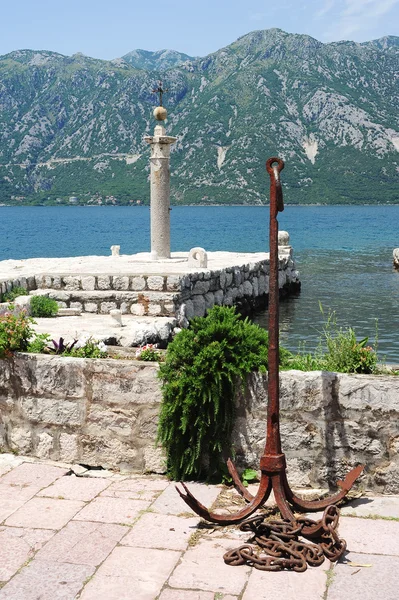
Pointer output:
x,y
343,253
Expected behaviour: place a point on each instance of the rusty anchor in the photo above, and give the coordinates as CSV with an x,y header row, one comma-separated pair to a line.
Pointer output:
x,y
272,462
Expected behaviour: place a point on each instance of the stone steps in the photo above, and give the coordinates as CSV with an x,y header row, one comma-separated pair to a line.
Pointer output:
x,y
144,303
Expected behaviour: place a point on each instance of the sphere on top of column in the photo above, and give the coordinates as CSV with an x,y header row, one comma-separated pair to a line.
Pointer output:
x,y
160,113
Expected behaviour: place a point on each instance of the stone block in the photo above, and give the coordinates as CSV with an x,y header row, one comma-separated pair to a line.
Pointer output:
x,y
154,460
209,300
137,309
198,257
154,309
104,282
218,295
173,283
138,284
76,306
199,306
45,443
21,440
120,283
71,283
50,412
155,283
229,279
247,288
90,307
105,307
89,283
201,287
112,510
57,282
69,448
189,309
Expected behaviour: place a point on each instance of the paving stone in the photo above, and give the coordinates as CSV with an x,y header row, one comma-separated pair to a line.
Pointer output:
x,y
37,474
8,507
141,488
112,510
309,585
161,531
202,568
383,506
378,582
44,513
138,573
370,536
17,491
83,543
17,546
169,502
75,488
41,580
170,594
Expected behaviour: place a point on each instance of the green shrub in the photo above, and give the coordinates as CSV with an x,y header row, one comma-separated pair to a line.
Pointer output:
x,y
42,306
39,343
15,331
203,366
14,293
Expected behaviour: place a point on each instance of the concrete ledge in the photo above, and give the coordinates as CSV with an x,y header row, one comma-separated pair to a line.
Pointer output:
x,y
105,412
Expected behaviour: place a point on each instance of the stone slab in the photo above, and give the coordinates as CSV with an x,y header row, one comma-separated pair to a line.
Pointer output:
x,y
169,502
161,531
378,582
75,488
44,513
112,510
370,536
170,594
288,585
383,506
17,491
202,568
46,581
140,489
17,546
138,573
40,475
83,543
8,507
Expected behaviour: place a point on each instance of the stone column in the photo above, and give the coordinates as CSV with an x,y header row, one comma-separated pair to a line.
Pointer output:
x,y
160,188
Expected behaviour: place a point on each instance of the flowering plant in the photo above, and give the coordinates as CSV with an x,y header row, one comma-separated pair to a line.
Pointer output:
x,y
148,352
15,331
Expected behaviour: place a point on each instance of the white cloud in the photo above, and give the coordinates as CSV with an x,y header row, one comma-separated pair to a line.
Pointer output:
x,y
328,5
355,16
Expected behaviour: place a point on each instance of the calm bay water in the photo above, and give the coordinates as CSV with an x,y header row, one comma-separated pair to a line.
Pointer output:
x,y
343,253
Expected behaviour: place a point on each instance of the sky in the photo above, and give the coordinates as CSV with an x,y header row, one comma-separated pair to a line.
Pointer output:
x,y
109,29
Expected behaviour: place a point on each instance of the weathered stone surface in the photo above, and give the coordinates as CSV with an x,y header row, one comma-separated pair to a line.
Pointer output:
x,y
104,282
155,283
70,283
120,283
138,283
88,283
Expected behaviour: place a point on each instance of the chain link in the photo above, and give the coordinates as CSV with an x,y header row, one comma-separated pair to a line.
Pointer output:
x,y
280,547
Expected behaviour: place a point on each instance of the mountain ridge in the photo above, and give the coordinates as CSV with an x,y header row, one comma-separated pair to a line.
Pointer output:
x,y
75,125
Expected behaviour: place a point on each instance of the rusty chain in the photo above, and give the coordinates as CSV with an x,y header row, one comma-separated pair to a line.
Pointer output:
x,y
281,544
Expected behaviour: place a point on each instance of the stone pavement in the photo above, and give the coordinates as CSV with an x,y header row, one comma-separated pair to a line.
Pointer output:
x,y
69,533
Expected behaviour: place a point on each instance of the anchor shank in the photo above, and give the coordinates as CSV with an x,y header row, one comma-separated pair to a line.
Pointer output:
x,y
273,439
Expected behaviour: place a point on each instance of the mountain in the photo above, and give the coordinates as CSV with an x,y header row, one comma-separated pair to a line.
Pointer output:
x,y
156,61
74,126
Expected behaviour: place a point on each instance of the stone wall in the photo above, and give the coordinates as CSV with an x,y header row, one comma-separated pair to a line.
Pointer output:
x,y
330,422
104,412
90,411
